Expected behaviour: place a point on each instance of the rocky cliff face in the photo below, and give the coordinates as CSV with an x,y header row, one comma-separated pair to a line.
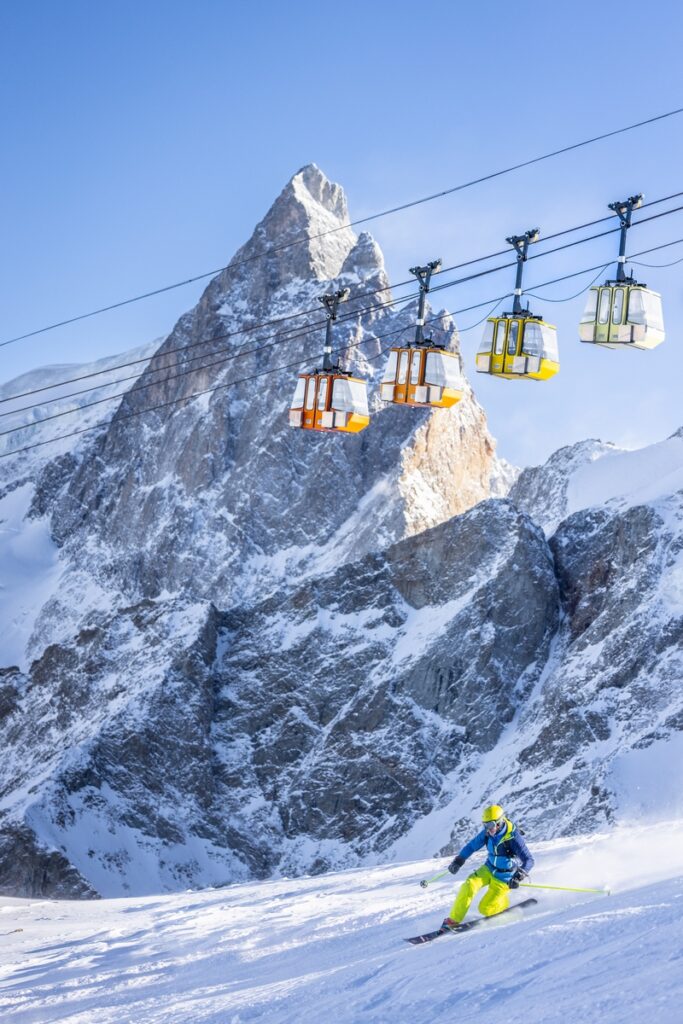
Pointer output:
x,y
216,496
202,508
256,651
596,742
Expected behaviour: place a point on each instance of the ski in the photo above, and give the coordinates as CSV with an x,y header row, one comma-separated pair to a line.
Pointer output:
x,y
466,926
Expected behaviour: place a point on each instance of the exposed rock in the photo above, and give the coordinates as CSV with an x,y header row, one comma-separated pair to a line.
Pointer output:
x,y
30,870
611,686
303,731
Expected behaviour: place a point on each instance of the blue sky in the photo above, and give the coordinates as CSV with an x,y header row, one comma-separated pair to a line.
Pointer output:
x,y
143,141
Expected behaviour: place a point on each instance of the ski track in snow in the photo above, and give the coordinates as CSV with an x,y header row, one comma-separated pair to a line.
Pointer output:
x,y
332,946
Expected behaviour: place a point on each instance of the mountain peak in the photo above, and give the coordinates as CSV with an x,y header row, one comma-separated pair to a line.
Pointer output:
x,y
311,185
306,230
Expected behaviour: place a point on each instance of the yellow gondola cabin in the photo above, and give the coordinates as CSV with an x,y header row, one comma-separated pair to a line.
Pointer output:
x,y
519,345
518,348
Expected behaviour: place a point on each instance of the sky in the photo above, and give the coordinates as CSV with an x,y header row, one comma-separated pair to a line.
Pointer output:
x,y
143,142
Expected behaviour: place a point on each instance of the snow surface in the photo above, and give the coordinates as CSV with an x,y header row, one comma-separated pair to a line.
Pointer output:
x,y
628,477
330,947
98,382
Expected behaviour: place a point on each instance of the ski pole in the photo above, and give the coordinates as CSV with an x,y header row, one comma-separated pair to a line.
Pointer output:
x,y
427,881
563,888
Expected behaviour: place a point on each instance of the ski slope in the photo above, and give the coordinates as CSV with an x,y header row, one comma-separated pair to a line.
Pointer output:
x,y
330,948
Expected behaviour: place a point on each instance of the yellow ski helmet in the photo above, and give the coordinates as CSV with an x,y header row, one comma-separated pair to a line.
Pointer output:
x,y
493,813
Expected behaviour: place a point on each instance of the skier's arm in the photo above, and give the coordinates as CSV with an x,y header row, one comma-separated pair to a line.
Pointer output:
x,y
467,851
526,861
473,845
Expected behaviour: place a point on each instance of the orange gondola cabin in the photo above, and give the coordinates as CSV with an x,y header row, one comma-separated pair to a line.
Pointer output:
x,y
330,399
422,375
333,401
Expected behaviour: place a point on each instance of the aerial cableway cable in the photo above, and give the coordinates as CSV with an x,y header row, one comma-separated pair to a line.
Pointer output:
x,y
280,339
567,231
319,323
275,340
568,298
119,417
342,227
290,316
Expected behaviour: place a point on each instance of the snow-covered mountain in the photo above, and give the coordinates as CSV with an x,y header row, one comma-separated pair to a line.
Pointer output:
x,y
29,560
295,950
82,395
593,474
255,651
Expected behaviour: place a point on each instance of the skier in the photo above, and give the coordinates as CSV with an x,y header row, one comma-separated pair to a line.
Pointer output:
x,y
508,862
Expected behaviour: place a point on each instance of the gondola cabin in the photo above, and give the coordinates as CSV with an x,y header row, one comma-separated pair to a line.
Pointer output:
x,y
330,401
518,348
622,315
424,376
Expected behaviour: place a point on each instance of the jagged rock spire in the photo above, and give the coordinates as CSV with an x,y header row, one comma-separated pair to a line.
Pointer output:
x,y
304,232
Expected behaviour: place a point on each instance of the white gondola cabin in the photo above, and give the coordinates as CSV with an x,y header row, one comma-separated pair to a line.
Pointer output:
x,y
423,376
518,348
333,402
621,314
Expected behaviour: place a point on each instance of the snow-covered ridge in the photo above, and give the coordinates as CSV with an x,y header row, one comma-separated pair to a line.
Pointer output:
x,y
628,478
51,397
29,564
593,474
29,572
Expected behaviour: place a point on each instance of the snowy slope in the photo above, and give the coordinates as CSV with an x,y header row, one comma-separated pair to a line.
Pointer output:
x,y
331,948
629,478
30,570
592,474
92,397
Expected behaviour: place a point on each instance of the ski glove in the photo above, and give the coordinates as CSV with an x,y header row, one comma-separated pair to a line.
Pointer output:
x,y
518,877
456,864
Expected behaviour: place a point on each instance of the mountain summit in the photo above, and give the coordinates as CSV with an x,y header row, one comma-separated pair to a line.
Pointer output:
x,y
153,735
304,237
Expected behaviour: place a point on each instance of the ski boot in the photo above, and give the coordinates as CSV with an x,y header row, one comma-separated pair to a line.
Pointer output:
x,y
449,925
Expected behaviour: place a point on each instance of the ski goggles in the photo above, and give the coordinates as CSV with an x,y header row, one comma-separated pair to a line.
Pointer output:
x,y
492,826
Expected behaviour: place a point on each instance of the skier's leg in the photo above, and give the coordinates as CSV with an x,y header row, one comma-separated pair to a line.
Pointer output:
x,y
495,899
467,891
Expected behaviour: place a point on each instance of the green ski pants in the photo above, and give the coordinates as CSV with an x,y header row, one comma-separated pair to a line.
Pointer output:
x,y
492,902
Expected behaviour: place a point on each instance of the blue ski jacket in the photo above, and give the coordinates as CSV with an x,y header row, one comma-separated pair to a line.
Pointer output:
x,y
506,852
